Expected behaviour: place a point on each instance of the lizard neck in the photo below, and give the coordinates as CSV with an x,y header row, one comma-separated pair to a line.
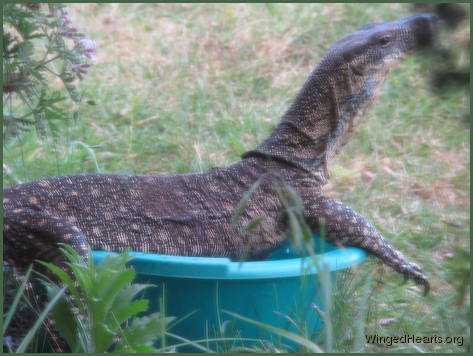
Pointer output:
x,y
321,119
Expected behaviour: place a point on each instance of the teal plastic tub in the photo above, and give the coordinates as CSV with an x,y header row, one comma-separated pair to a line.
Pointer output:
x,y
283,291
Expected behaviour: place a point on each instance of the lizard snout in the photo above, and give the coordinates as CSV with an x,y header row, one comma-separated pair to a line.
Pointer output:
x,y
423,27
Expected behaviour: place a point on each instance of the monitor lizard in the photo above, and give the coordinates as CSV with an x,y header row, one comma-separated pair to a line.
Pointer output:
x,y
191,214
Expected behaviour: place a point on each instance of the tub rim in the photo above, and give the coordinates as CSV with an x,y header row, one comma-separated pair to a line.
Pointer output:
x,y
223,268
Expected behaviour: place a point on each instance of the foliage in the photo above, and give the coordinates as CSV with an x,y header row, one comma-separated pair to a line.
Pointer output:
x,y
41,47
99,313
195,85
13,307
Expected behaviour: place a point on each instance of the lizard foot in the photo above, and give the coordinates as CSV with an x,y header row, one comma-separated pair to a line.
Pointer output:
x,y
414,272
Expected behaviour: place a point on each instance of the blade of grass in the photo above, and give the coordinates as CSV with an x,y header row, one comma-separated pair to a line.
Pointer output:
x,y
16,300
29,336
327,296
196,343
244,201
309,345
187,342
91,152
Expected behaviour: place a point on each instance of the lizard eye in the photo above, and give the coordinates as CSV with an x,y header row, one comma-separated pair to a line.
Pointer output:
x,y
384,41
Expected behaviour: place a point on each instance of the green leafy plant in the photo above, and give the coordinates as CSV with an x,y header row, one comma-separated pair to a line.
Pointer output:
x,y
99,313
41,47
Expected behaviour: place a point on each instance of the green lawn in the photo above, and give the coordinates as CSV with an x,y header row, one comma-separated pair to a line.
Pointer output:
x,y
184,87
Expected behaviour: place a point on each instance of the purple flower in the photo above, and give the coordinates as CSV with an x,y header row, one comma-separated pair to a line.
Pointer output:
x,y
87,44
87,47
66,28
92,57
66,20
68,32
83,46
80,69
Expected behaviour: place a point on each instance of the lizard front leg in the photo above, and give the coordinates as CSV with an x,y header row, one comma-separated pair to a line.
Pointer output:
x,y
30,235
341,225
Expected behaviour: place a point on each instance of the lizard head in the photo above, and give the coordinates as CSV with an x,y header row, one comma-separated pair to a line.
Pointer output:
x,y
374,48
363,60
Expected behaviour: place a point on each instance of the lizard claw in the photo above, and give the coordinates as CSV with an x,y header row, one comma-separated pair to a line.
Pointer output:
x,y
425,283
414,272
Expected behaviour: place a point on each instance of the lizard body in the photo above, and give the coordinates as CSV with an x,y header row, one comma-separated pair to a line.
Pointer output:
x,y
190,214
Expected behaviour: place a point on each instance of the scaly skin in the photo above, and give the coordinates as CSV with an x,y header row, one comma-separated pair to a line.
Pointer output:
x,y
191,214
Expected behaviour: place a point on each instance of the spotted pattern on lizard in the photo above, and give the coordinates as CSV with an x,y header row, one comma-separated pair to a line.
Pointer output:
x,y
190,214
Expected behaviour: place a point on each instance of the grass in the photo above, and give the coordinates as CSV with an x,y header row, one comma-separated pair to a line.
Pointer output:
x,y
184,87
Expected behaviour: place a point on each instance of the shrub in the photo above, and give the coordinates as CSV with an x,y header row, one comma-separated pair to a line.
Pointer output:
x,y
99,312
41,49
